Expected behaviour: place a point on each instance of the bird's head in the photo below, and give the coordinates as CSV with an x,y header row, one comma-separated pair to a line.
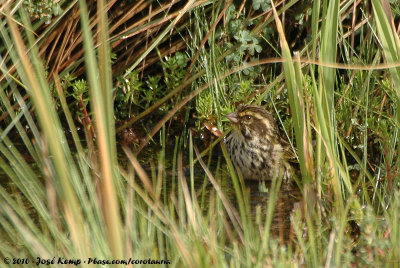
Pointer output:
x,y
254,122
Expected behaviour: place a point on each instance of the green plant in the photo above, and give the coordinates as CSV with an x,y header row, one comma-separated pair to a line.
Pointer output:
x,y
44,9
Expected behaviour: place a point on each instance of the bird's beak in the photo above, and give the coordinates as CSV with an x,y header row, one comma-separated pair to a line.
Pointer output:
x,y
233,117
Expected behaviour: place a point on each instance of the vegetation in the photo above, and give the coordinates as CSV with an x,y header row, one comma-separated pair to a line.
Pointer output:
x,y
169,72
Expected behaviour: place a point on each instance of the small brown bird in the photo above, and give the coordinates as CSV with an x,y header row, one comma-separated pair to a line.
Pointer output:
x,y
255,146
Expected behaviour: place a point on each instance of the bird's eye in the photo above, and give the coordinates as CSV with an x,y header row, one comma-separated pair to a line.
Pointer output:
x,y
248,117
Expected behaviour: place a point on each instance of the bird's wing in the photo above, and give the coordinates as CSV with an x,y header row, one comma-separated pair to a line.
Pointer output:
x,y
288,153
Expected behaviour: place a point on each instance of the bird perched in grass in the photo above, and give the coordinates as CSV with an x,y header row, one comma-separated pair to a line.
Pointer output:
x,y
255,146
